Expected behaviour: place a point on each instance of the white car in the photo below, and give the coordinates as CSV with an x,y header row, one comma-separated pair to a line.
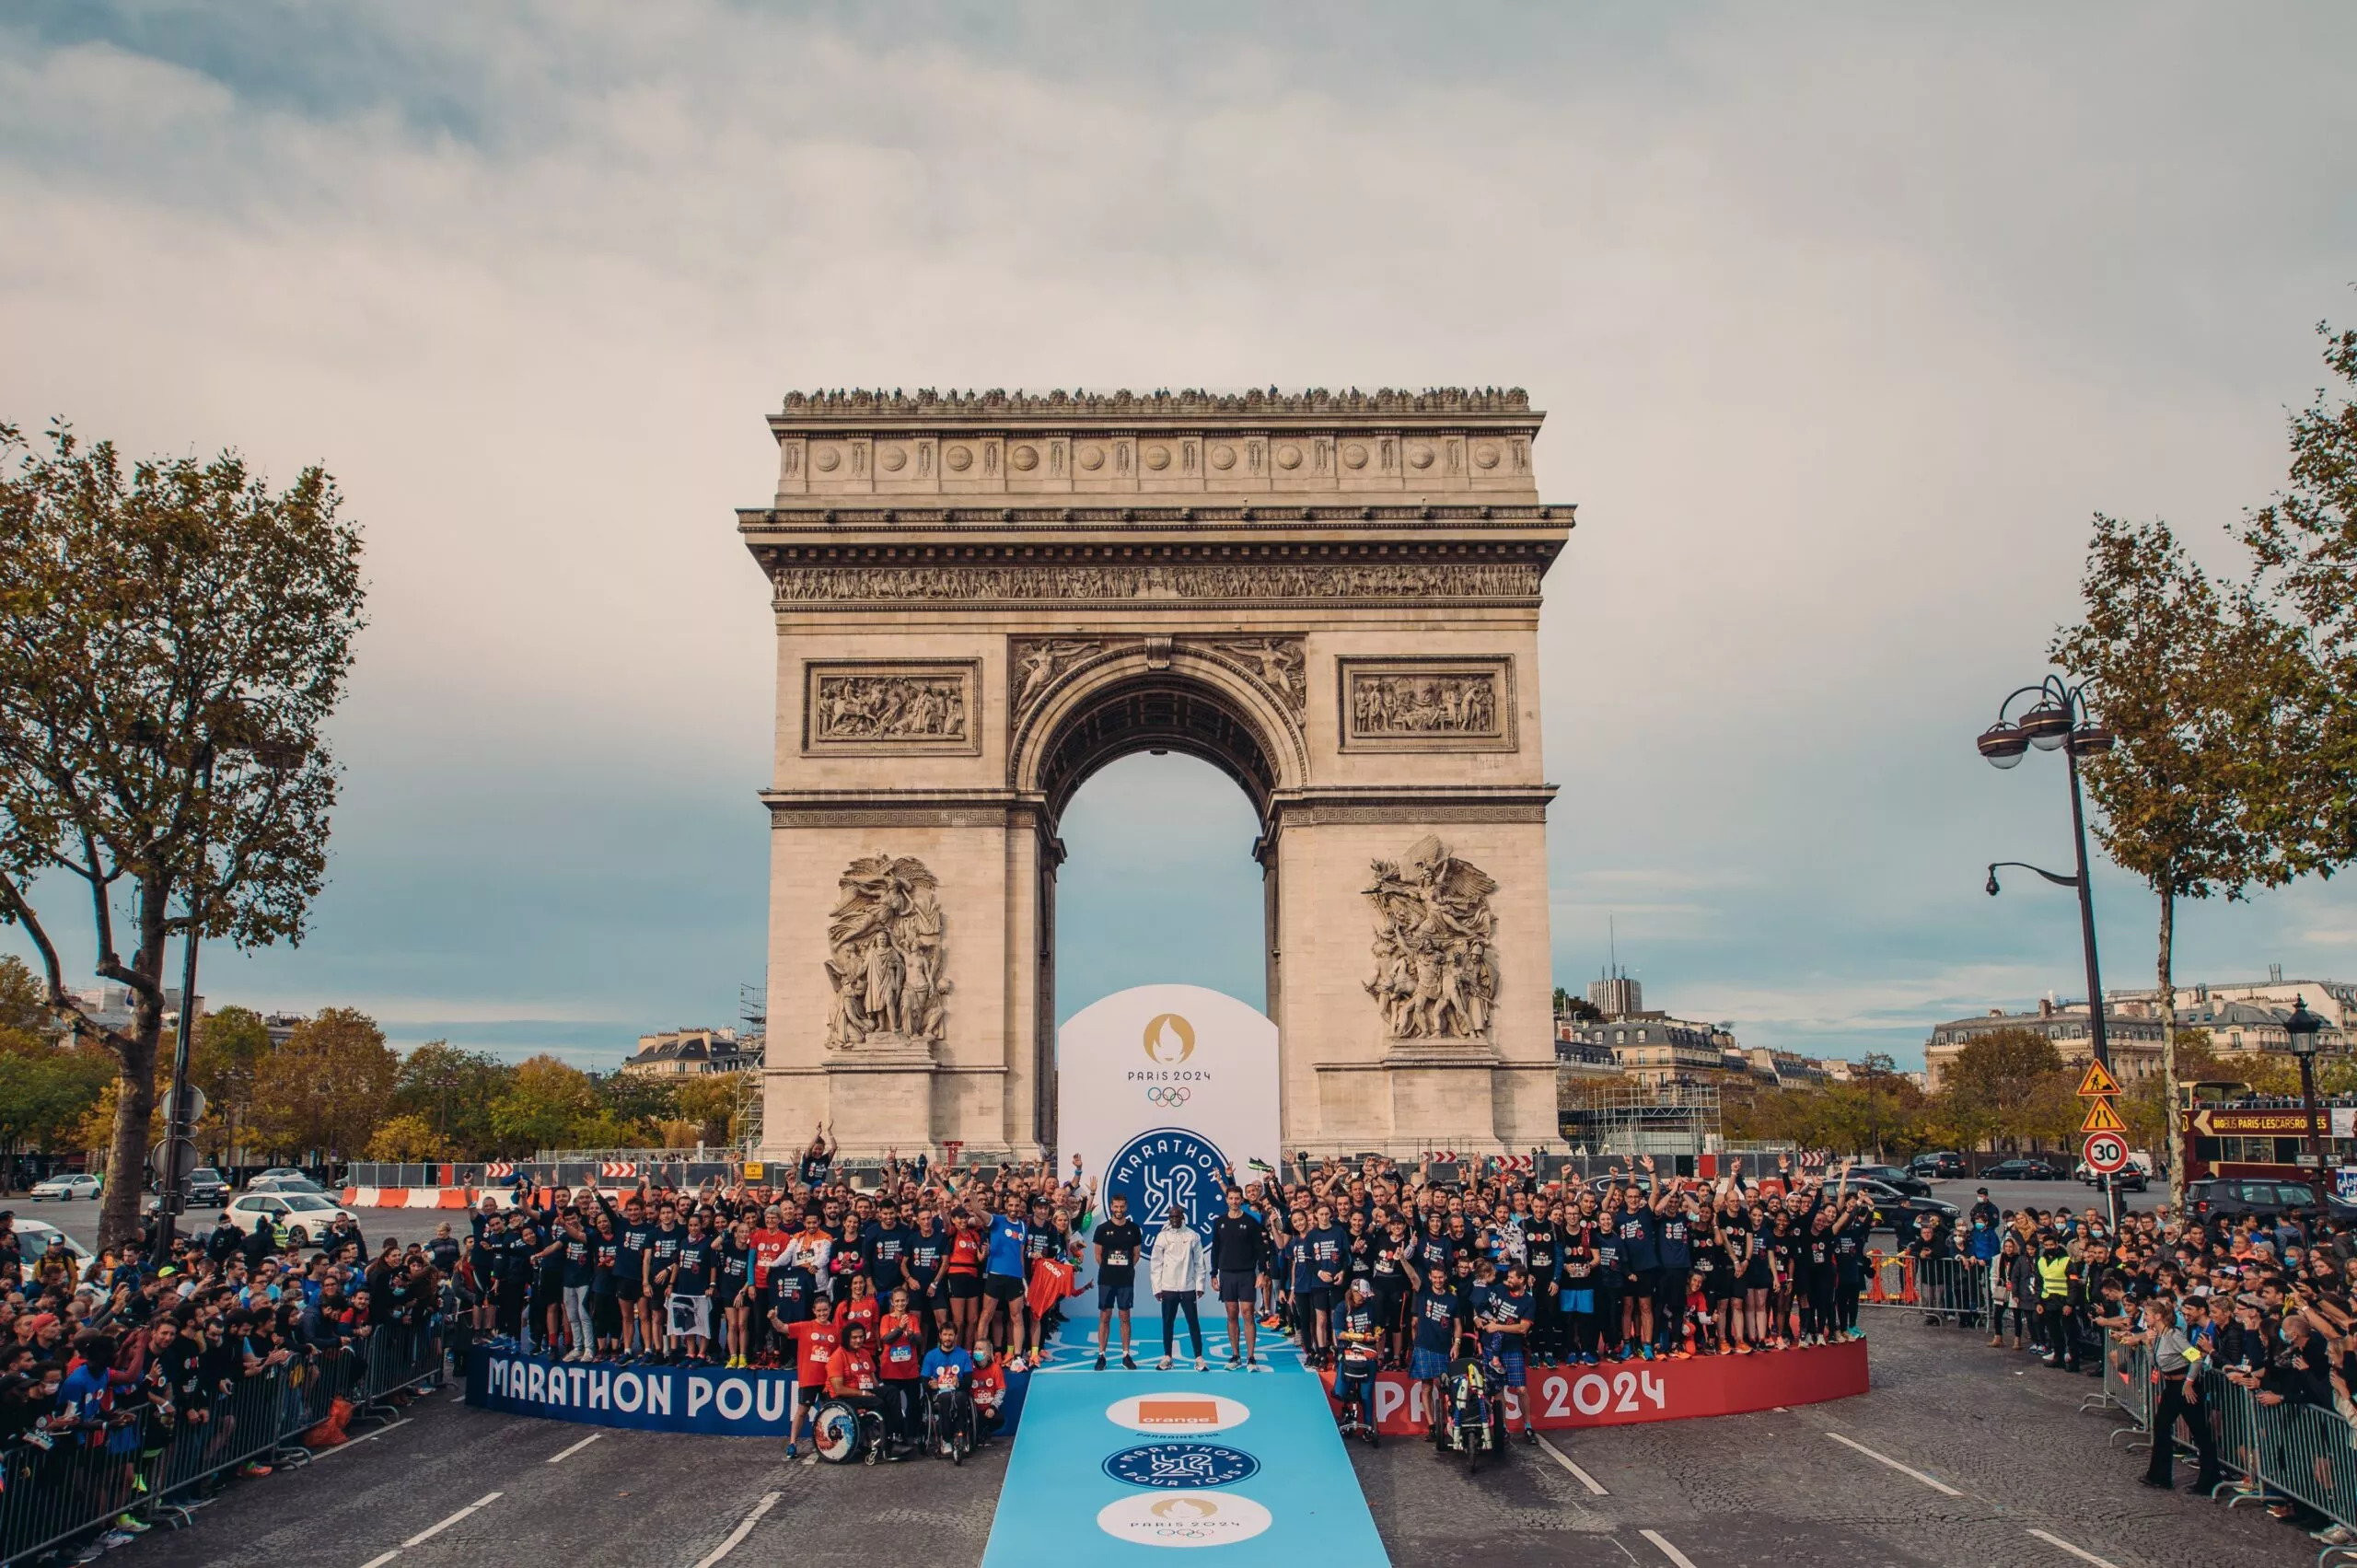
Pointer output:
x,y
301,1217
32,1241
64,1187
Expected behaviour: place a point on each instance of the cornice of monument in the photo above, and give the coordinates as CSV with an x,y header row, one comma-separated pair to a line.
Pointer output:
x,y
955,407
828,515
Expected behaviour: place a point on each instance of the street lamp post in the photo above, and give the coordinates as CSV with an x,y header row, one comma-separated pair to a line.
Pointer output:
x,y
2301,1028
2061,719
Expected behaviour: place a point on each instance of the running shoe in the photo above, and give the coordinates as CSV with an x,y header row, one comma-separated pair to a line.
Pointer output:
x,y
1201,1365
1129,1361
1100,1364
1164,1364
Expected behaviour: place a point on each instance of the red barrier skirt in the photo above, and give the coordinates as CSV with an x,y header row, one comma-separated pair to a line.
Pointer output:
x,y
1621,1393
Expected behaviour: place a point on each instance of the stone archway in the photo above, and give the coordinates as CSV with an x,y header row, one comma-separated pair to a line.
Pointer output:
x,y
982,599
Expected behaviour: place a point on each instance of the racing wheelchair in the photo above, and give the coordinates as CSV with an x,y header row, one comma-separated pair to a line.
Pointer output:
x,y
1354,1369
1471,1420
841,1431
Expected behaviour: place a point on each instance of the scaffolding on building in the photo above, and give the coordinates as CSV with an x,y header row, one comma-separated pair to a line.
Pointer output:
x,y
745,1120
1629,1120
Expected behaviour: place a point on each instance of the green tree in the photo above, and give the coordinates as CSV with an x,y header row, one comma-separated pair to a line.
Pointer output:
x,y
227,1051
2305,540
327,1089
453,1091
23,1005
545,1102
407,1139
2008,1078
46,1091
172,642
637,1097
2193,678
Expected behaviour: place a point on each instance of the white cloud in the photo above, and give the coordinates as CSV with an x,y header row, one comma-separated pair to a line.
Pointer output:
x,y
1845,322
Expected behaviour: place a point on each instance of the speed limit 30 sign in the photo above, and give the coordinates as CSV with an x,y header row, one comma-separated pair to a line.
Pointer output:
x,y
2107,1154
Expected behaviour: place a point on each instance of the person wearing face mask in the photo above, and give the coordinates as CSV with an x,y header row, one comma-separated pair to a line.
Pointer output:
x,y
2054,1271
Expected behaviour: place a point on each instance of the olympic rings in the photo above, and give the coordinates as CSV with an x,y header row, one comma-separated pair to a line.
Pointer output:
x,y
1172,1095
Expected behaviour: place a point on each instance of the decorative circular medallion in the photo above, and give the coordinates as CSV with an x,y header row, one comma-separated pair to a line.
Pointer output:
x,y
1223,456
1288,455
1355,456
826,459
1486,455
1157,457
893,460
1023,458
1092,458
957,460
1420,455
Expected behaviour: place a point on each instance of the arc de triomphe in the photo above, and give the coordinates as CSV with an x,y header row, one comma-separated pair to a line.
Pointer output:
x,y
982,598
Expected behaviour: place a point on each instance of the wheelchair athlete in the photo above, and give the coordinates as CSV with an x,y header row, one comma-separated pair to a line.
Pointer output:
x,y
948,1381
1359,1333
851,1382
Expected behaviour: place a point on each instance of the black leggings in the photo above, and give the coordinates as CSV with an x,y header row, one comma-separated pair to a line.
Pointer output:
x,y
1172,1305
1669,1308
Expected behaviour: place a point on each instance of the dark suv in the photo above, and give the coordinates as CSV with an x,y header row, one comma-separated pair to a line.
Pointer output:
x,y
2230,1197
1909,1182
1939,1167
2021,1169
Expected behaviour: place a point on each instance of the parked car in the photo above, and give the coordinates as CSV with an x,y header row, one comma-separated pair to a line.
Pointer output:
x,y
2228,1198
1888,1175
66,1187
2021,1169
2129,1179
205,1190
299,1216
293,1182
1897,1211
1942,1166
285,1170
32,1241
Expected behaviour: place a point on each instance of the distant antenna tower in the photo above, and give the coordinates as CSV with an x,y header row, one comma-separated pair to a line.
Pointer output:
x,y
752,1010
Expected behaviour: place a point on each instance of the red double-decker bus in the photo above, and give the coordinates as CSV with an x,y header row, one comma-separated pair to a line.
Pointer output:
x,y
2223,1130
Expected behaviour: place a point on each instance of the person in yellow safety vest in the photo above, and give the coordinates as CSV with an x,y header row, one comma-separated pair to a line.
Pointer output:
x,y
2054,1306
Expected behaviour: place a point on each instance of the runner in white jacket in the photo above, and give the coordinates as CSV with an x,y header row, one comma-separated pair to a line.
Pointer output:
x,y
1178,1269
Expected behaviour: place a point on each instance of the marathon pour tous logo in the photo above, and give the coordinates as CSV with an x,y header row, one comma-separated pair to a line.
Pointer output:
x,y
1182,1465
1169,1166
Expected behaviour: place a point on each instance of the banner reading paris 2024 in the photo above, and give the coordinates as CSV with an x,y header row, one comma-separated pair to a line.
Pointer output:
x,y
1160,1086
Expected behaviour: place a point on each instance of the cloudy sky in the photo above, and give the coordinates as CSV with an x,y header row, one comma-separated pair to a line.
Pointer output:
x,y
1845,318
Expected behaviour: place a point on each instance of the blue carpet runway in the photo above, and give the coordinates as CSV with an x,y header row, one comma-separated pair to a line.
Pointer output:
x,y
1115,1467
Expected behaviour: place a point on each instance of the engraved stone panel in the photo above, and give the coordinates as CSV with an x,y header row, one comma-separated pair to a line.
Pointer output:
x,y
1427,704
1435,972
889,707
883,964
1371,580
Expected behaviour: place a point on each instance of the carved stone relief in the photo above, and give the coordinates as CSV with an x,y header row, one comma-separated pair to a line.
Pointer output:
x,y
1033,664
883,968
880,707
1435,970
1427,704
1377,580
1279,663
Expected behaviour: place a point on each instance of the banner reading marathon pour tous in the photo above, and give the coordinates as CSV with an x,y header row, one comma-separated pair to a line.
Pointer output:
x,y
1160,1086
712,1400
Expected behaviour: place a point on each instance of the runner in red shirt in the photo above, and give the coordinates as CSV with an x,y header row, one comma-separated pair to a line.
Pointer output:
x,y
814,1341
861,1307
851,1377
965,1275
768,1244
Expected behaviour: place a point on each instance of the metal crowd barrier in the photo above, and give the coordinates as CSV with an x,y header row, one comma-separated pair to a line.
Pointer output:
x,y
154,1469
2306,1453
1955,1288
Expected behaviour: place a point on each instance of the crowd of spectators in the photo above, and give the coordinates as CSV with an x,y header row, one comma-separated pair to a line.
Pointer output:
x,y
130,1352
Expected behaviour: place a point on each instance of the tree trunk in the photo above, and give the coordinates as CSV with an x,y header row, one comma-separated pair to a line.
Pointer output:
x,y
2174,1153
134,1105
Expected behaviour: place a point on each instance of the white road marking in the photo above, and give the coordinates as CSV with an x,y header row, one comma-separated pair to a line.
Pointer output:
x,y
382,1559
577,1448
1942,1487
432,1530
371,1437
1563,1459
2076,1551
1667,1550
744,1527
